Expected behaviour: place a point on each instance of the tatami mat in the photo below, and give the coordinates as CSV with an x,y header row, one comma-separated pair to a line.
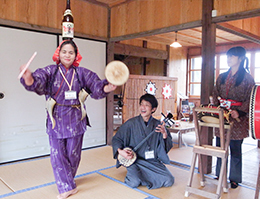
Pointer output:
x,y
181,155
177,191
94,186
95,159
27,174
181,178
4,189
32,173
97,178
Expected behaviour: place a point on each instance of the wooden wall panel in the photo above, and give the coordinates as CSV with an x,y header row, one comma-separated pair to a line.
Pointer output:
x,y
225,7
135,88
135,65
250,25
89,18
139,16
155,67
157,46
178,67
133,42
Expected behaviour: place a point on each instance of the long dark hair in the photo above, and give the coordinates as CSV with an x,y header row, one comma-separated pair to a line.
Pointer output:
x,y
240,52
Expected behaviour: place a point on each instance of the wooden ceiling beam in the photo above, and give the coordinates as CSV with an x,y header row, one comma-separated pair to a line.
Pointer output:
x,y
182,41
124,49
239,32
236,16
190,36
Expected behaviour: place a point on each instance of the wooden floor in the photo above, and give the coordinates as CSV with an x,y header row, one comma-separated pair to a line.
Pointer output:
x,y
97,177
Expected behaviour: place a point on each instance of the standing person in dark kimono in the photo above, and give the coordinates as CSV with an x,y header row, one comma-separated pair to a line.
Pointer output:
x,y
148,169
234,87
67,122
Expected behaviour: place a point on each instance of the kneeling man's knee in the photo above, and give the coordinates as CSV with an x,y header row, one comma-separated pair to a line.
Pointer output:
x,y
132,182
169,181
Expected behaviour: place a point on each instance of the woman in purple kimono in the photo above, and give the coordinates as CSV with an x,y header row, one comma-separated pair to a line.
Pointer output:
x,y
234,88
64,86
148,169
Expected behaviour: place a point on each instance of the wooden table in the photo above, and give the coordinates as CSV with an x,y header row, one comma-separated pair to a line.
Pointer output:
x,y
184,127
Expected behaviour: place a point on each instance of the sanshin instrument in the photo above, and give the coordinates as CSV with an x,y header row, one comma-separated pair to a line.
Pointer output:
x,y
128,162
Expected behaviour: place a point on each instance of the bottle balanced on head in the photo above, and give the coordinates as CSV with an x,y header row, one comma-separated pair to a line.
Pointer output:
x,y
67,23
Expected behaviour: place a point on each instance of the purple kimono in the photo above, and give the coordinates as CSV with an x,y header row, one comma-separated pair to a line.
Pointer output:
x,y
67,135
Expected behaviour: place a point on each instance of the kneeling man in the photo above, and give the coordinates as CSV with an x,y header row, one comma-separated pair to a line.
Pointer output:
x,y
148,169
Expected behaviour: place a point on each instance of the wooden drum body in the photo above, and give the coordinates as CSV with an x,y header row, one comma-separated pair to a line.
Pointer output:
x,y
254,112
212,118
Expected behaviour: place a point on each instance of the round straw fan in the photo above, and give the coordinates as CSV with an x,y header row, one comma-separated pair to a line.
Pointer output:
x,y
116,73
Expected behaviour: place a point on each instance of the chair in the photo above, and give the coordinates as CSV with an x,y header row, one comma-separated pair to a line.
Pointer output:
x,y
257,184
200,149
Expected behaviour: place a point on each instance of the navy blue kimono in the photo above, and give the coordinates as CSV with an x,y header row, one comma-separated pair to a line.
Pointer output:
x,y
147,172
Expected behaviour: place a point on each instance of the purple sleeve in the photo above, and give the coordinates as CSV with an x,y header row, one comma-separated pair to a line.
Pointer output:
x,y
93,83
41,78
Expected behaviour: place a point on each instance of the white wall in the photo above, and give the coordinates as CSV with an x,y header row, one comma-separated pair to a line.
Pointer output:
x,y
94,58
22,113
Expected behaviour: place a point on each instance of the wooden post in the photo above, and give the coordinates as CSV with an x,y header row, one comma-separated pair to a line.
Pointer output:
x,y
166,62
257,184
144,59
207,70
110,97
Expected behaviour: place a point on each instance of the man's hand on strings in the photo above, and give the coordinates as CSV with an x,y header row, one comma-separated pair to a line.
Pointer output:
x,y
128,154
161,128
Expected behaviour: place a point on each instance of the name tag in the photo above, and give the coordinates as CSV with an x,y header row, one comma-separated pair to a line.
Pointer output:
x,y
149,155
70,95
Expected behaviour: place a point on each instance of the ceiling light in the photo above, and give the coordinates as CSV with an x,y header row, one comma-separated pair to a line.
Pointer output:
x,y
176,44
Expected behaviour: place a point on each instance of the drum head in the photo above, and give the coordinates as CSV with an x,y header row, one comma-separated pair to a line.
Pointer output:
x,y
254,112
212,117
209,119
116,73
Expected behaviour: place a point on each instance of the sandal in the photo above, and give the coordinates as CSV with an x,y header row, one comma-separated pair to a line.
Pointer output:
x,y
234,185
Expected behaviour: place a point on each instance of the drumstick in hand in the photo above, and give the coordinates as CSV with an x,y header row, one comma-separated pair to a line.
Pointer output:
x,y
27,65
227,107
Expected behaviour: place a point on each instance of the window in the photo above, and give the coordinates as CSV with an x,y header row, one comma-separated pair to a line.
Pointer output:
x,y
194,81
195,76
223,67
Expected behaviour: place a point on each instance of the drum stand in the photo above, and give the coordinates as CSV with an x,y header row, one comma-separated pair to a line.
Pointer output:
x,y
257,184
209,150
